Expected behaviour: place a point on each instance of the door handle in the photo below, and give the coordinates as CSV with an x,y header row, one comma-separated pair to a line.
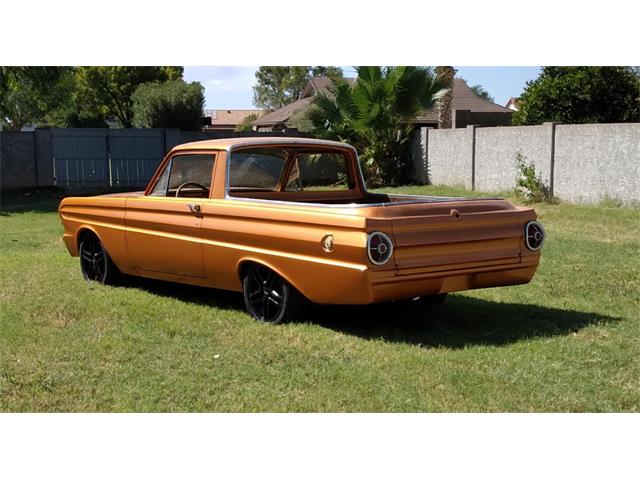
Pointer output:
x,y
193,207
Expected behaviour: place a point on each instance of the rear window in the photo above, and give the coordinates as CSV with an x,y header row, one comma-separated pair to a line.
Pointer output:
x,y
256,169
319,171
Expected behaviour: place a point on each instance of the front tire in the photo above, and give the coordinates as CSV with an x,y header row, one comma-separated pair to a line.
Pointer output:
x,y
268,297
95,263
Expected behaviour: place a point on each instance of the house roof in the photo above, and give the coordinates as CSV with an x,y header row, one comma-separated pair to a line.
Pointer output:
x,y
230,117
316,84
512,103
463,99
283,114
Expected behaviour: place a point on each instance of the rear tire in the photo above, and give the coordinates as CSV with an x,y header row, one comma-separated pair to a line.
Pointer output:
x,y
268,297
95,263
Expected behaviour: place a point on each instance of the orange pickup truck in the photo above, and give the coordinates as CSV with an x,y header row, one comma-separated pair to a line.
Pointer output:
x,y
282,219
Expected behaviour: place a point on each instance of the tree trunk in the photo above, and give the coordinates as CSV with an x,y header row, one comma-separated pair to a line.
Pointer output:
x,y
445,103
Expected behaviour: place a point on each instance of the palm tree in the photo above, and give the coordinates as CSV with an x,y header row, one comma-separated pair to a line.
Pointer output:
x,y
374,114
444,105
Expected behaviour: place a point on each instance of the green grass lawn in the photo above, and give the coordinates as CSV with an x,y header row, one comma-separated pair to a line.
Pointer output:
x,y
568,341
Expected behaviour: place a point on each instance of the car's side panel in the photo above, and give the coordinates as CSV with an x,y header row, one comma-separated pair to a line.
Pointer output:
x,y
103,216
288,241
163,235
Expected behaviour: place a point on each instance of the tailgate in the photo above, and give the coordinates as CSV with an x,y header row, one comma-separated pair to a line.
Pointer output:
x,y
456,240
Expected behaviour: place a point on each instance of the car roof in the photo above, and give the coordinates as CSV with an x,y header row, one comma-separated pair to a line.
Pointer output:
x,y
227,143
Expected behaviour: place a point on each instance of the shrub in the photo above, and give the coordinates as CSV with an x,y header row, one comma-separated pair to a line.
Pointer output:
x,y
170,104
529,185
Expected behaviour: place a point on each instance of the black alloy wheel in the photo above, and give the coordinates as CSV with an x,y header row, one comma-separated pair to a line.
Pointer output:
x,y
95,263
267,296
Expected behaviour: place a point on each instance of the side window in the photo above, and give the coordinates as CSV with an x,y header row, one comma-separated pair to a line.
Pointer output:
x,y
256,169
186,176
319,171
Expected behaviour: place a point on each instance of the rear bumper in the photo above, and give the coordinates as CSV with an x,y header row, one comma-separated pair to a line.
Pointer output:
x,y
391,286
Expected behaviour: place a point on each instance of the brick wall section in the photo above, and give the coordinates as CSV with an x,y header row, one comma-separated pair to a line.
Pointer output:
x,y
44,157
17,161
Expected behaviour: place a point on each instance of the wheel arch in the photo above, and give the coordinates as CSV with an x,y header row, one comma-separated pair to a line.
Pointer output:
x,y
247,262
86,230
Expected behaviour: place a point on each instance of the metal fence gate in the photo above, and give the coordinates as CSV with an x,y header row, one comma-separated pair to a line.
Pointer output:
x,y
104,158
80,157
134,156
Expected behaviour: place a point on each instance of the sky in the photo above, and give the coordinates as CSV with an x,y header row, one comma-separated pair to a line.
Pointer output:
x,y
231,87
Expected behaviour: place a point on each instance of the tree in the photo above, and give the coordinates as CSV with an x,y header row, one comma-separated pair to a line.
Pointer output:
x,y
445,104
375,114
73,110
334,73
27,94
111,88
480,91
246,126
279,86
170,104
580,95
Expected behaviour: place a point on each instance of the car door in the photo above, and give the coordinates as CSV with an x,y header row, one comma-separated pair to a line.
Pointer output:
x,y
163,227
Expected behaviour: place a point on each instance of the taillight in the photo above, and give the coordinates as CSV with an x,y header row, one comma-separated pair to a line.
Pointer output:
x,y
534,235
379,248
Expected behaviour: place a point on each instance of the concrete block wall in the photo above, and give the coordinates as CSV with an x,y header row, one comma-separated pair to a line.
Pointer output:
x,y
577,163
594,162
496,151
450,156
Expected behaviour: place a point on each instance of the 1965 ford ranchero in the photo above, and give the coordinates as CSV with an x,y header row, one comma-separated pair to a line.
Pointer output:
x,y
281,219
